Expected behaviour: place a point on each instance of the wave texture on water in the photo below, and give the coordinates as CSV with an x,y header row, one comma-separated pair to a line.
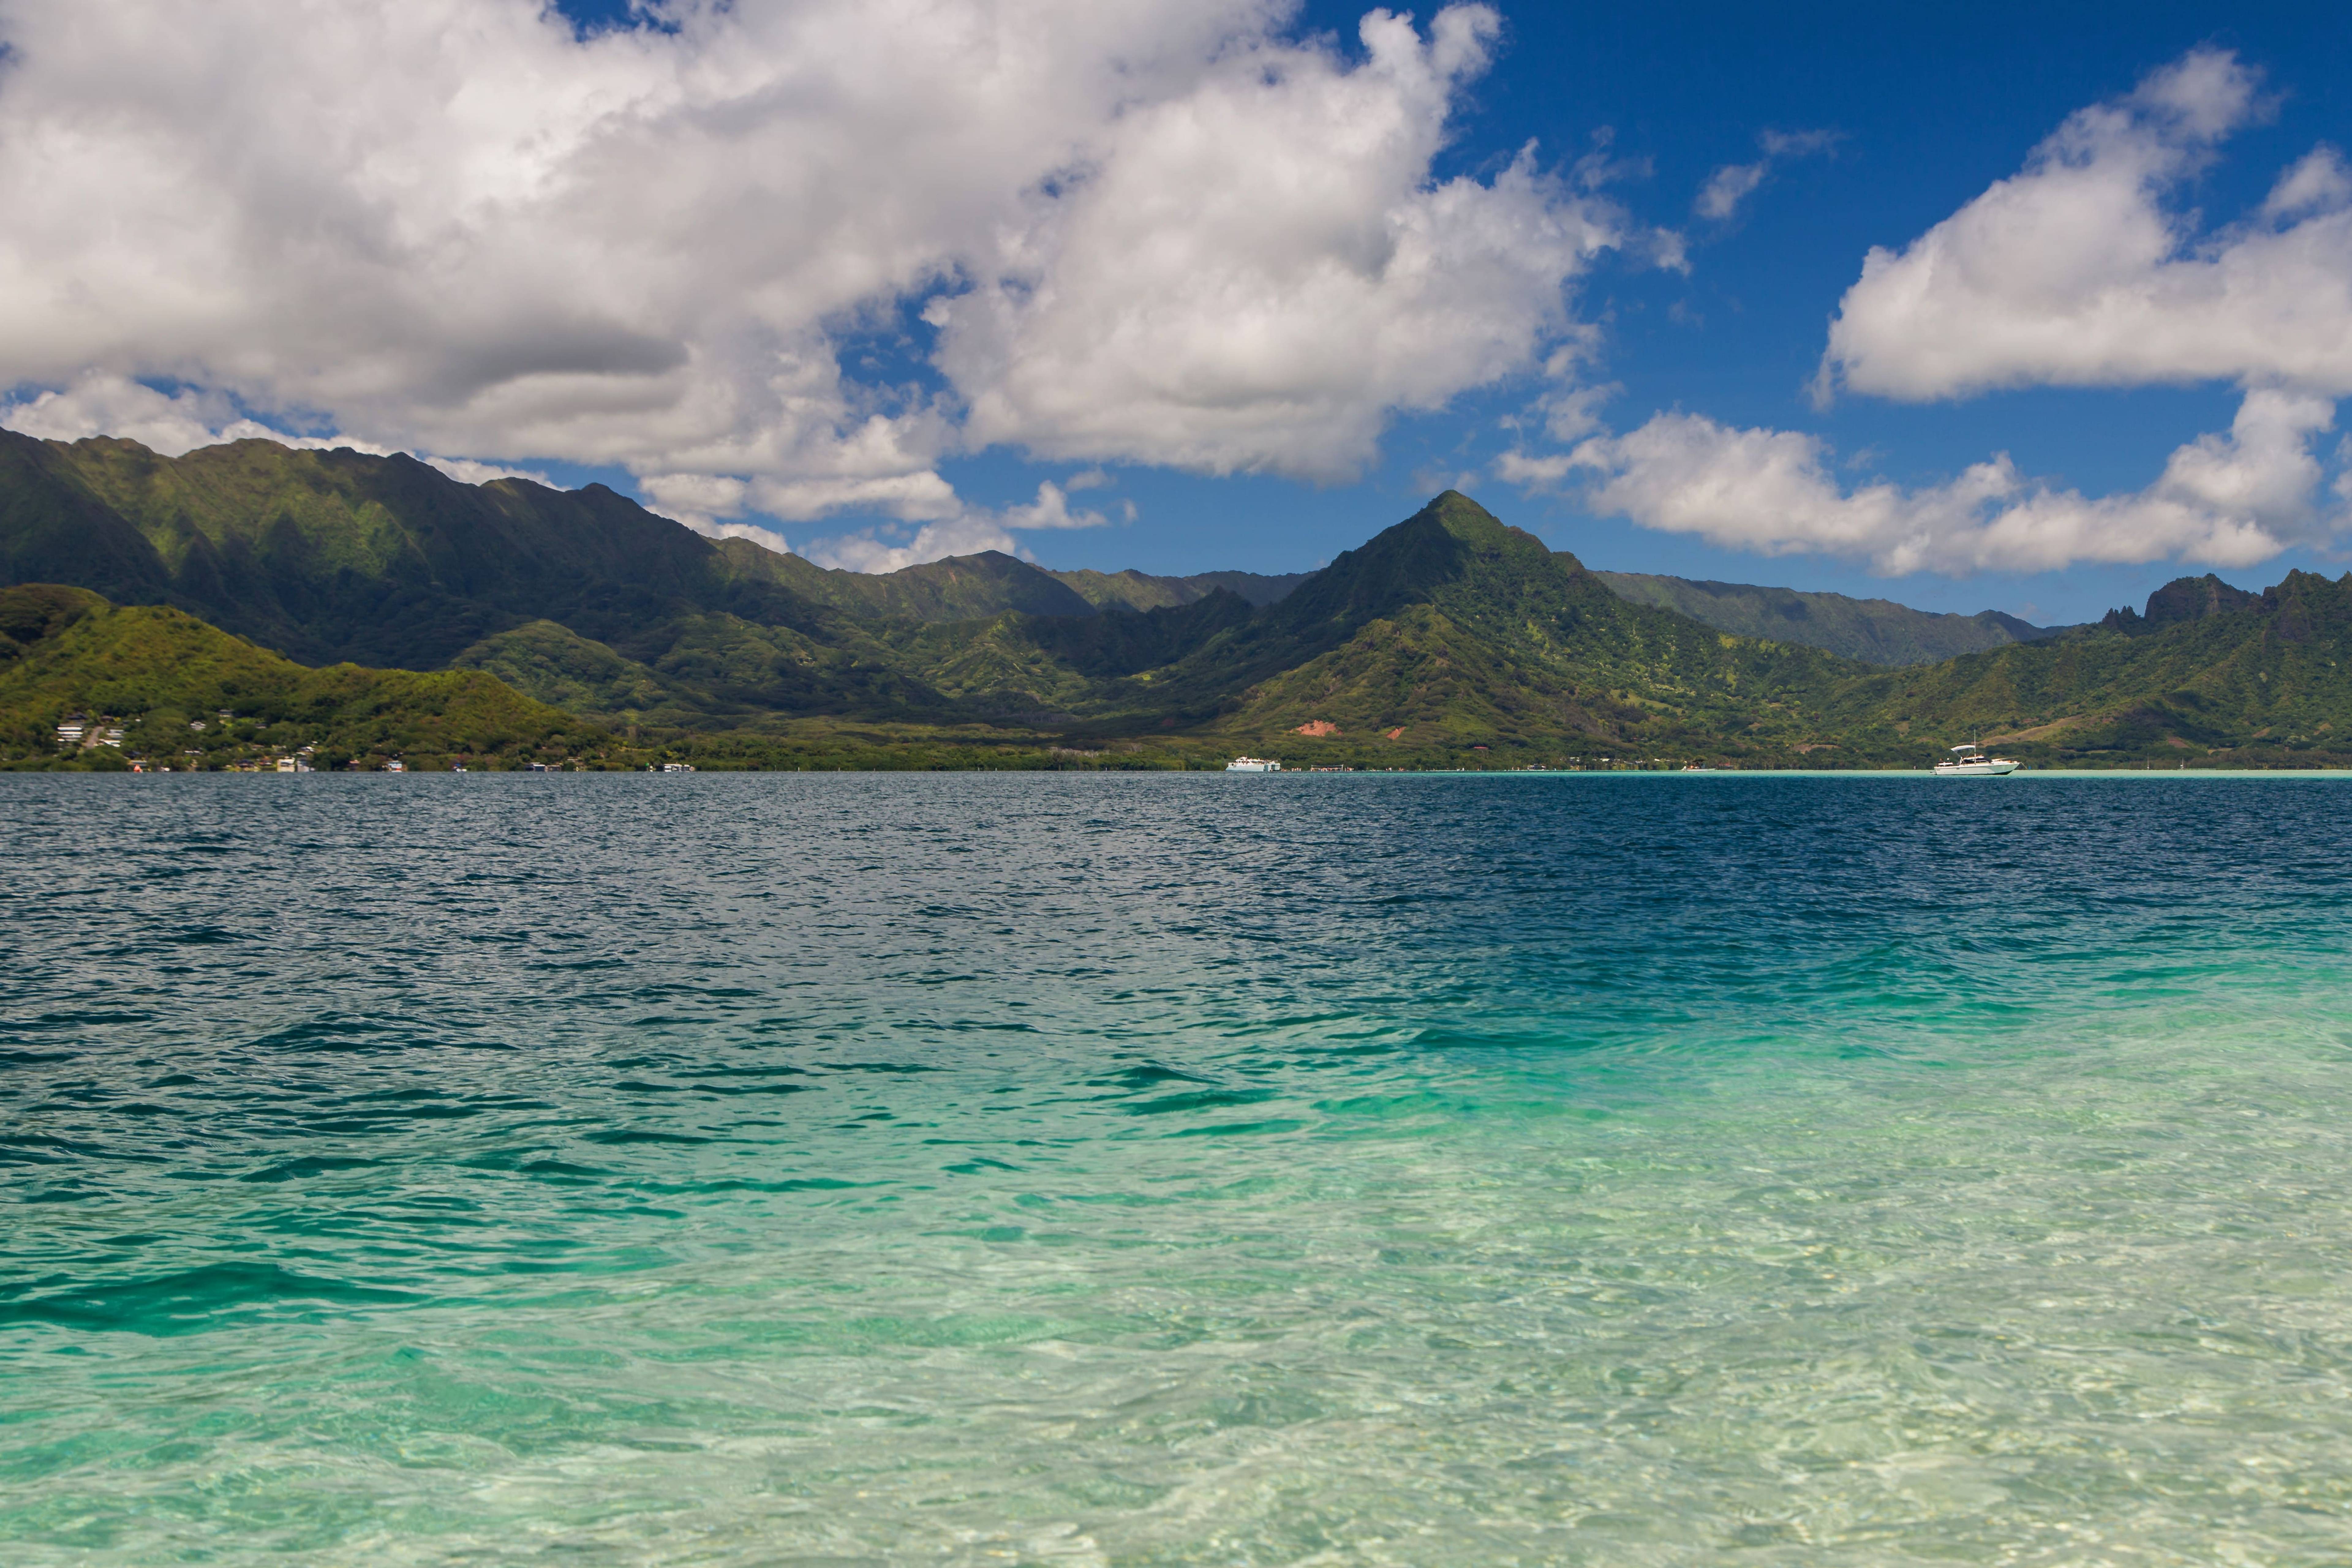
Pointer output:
x,y
1175,1169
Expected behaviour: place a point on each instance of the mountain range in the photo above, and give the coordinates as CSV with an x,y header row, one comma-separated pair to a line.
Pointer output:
x,y
1875,631
1447,637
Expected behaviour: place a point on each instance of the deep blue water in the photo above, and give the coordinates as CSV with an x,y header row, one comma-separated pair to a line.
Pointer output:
x,y
748,1170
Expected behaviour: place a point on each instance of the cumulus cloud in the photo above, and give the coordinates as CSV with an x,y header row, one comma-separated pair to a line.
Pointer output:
x,y
173,422
698,500
2222,500
168,422
2073,272
1217,292
2318,184
1155,231
1051,509
2077,272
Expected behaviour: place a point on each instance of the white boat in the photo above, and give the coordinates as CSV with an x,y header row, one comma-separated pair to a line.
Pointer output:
x,y
1969,761
1253,765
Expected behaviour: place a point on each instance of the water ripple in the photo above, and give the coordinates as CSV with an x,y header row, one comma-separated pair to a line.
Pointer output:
x,y
1607,1170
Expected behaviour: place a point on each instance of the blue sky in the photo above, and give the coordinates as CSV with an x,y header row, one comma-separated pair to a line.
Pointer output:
x,y
1928,107
782,267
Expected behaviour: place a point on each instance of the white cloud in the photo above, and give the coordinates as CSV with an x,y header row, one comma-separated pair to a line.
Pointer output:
x,y
1722,191
698,500
2072,272
968,533
1536,473
178,422
170,423
1158,231
765,537
467,471
1251,275
2223,500
1051,509
2075,273
1574,412
1725,189
2318,184
933,542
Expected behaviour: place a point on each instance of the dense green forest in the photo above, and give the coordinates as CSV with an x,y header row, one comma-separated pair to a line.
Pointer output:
x,y
371,606
165,688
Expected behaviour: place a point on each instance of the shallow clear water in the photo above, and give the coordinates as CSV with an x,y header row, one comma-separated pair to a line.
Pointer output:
x,y
752,1170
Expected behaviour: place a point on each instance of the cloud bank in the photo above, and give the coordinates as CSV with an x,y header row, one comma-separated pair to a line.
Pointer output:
x,y
2227,500
776,256
2075,272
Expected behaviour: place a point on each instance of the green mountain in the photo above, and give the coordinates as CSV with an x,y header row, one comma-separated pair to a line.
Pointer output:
x,y
1142,590
340,555
1452,627
1444,634
2208,672
185,693
1875,631
960,588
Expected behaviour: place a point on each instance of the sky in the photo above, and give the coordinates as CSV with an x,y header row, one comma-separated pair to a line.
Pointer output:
x,y
2026,307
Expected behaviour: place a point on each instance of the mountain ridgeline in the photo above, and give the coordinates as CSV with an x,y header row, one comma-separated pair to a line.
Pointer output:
x,y
1875,631
1448,637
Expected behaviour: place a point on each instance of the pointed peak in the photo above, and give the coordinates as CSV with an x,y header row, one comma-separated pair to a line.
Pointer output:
x,y
1453,507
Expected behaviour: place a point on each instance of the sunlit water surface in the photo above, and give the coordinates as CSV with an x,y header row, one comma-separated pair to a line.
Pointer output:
x,y
1175,1169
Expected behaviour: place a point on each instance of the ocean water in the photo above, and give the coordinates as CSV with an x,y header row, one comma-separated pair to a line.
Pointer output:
x,y
1074,1170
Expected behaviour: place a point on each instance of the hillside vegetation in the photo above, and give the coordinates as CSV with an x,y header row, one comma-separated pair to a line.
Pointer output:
x,y
1142,590
189,695
2255,679
1875,631
1447,640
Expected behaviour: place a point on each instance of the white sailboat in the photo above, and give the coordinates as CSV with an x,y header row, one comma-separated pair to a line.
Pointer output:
x,y
1969,761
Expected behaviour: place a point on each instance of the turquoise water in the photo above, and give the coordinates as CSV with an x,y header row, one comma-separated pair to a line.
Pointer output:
x,y
782,1169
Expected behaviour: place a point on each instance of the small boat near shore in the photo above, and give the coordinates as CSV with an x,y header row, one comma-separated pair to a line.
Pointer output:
x,y
1969,761
1253,765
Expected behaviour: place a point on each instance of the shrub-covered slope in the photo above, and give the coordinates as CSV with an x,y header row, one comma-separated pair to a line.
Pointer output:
x,y
1874,631
1452,625
2259,678
187,693
1140,591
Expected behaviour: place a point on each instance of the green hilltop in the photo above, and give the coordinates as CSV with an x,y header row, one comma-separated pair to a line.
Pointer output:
x,y
486,617
188,695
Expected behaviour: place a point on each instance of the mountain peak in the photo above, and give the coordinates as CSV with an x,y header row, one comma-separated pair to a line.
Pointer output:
x,y
2183,599
1451,549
